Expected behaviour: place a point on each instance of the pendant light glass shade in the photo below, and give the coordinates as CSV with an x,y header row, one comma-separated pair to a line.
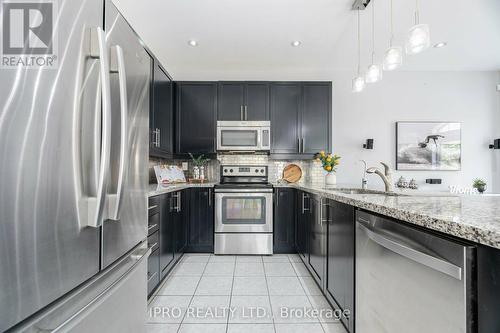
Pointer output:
x,y
373,74
419,39
358,84
393,58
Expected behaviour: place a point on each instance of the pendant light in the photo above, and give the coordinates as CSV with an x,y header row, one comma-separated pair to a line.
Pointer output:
x,y
374,72
418,36
358,83
393,57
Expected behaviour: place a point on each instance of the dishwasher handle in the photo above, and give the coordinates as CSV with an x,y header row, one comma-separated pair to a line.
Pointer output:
x,y
411,253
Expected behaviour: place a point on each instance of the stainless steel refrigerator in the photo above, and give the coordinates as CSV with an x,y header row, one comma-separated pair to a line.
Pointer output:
x,y
74,175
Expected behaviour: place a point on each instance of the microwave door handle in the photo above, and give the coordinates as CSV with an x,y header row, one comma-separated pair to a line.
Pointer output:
x,y
118,66
411,253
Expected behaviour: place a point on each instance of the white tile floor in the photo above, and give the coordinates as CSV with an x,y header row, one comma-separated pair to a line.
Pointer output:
x,y
238,294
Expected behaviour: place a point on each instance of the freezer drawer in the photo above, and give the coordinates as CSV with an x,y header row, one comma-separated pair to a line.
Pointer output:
x,y
103,304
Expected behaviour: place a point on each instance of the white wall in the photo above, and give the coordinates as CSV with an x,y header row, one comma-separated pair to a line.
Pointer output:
x,y
467,97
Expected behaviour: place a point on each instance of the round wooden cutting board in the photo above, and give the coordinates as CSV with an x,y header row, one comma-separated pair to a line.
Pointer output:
x,y
292,173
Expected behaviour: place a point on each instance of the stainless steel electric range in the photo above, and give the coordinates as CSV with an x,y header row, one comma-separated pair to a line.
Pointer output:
x,y
244,211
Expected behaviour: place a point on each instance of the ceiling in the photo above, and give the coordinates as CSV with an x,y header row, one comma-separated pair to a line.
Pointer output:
x,y
251,39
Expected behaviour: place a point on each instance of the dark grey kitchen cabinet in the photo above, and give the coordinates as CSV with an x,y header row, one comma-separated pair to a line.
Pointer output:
x,y
166,221
284,220
302,227
243,101
161,115
196,114
285,112
201,220
316,117
317,238
180,202
301,119
339,288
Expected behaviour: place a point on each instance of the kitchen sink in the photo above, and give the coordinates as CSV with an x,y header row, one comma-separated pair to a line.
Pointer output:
x,y
361,191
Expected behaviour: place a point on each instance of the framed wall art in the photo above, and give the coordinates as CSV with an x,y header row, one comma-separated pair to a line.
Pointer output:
x,y
435,146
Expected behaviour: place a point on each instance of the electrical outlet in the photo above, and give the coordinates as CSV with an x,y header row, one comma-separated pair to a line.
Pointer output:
x,y
185,166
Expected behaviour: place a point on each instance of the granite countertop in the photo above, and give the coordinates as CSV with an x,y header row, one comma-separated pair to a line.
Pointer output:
x,y
155,189
472,217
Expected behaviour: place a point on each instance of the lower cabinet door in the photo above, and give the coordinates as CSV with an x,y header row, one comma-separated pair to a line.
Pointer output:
x,y
317,239
201,220
180,216
284,220
166,234
153,271
301,229
340,254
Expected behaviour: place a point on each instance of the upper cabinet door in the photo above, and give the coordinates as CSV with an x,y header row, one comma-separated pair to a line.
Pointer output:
x,y
196,117
285,108
231,101
316,117
256,106
163,112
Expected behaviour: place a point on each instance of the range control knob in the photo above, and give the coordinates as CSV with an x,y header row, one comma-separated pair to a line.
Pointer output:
x,y
262,170
225,170
256,170
230,170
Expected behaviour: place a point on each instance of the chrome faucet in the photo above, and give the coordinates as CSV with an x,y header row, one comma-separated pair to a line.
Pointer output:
x,y
364,180
386,176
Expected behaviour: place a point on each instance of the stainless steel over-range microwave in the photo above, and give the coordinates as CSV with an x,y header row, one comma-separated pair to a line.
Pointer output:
x,y
243,136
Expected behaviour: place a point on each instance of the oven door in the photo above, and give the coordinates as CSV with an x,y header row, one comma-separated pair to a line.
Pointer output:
x,y
244,211
239,139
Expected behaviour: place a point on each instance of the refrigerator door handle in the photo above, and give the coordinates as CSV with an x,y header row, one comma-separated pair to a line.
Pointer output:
x,y
94,208
117,65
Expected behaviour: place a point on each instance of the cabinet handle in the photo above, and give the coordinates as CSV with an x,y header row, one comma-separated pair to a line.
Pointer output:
x,y
241,112
210,197
152,207
152,226
277,197
179,202
246,112
159,137
304,209
302,145
298,143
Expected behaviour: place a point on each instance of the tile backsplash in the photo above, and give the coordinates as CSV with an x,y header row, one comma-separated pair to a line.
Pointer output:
x,y
312,173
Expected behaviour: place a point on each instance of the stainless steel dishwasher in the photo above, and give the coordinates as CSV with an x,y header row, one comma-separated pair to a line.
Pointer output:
x,y
408,280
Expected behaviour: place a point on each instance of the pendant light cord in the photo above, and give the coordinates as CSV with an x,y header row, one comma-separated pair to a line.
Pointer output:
x,y
359,42
373,31
417,12
392,27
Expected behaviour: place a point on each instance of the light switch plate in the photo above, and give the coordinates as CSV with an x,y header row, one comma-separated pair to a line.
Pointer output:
x,y
185,166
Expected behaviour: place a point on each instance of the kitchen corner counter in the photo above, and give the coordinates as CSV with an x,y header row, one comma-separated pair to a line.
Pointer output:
x,y
474,217
155,189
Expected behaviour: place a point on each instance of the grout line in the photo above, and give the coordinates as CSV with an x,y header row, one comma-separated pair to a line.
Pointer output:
x,y
191,300
269,296
231,296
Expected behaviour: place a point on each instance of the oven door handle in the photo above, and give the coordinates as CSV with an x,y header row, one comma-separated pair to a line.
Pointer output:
x,y
246,190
